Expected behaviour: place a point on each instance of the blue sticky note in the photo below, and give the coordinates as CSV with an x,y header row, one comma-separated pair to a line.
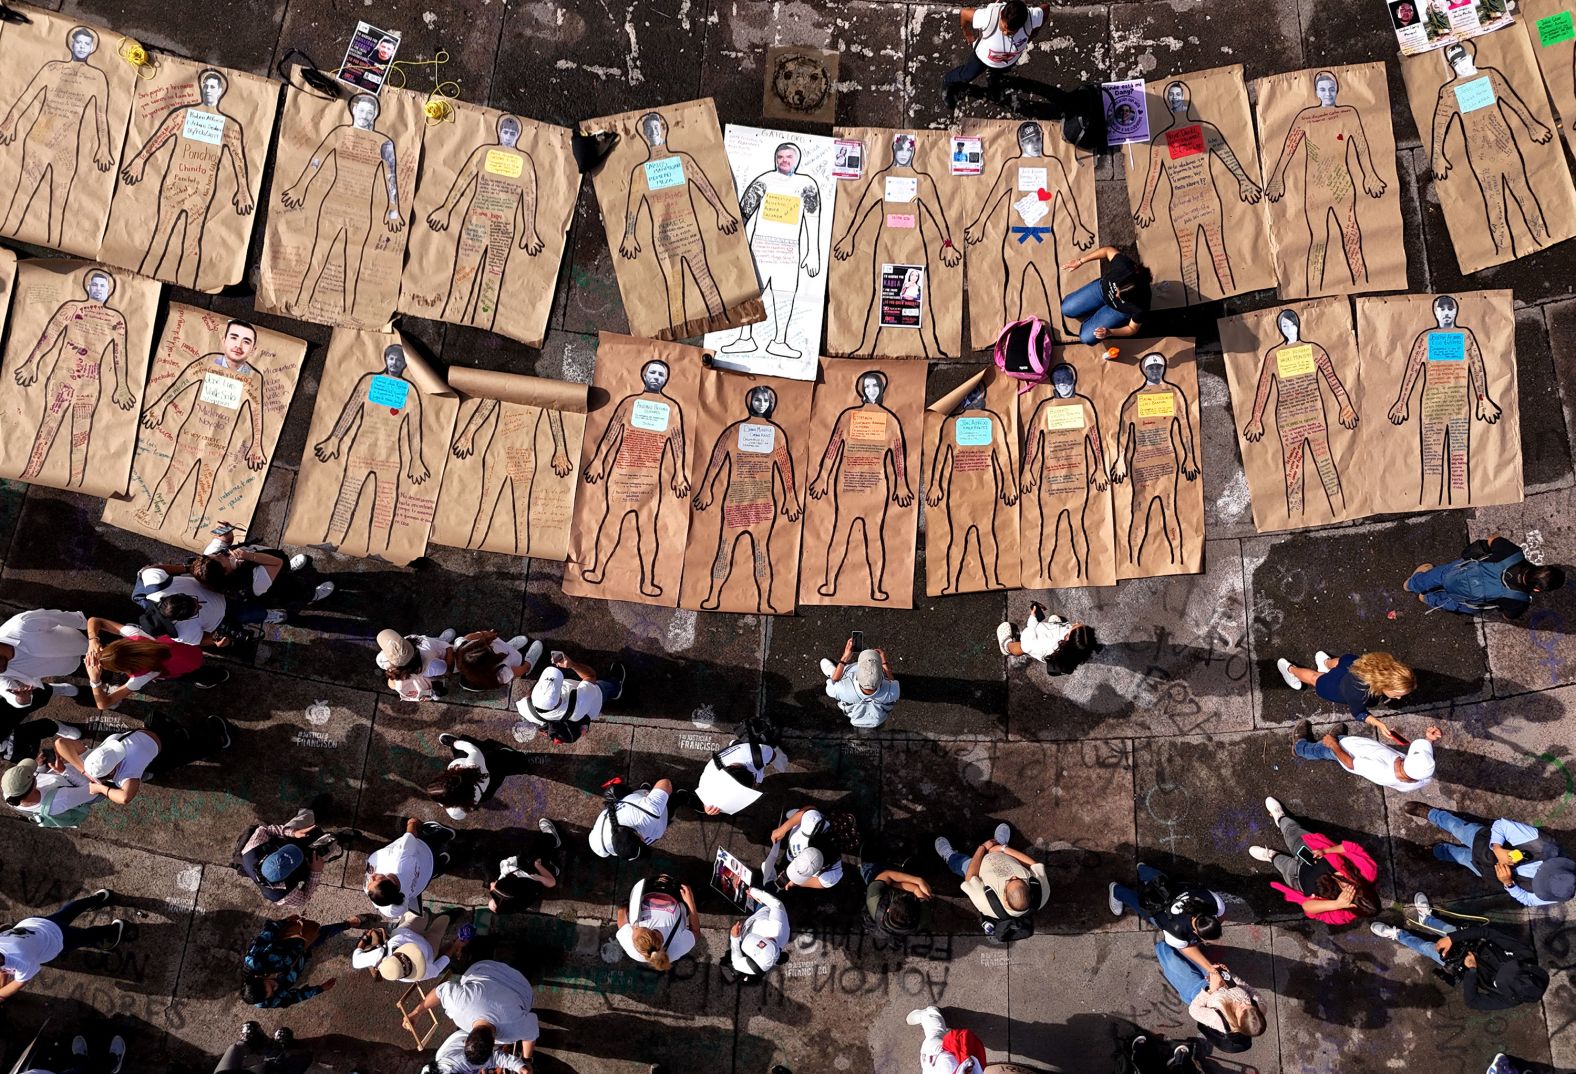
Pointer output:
x,y
972,432
661,174
1479,93
1447,347
388,391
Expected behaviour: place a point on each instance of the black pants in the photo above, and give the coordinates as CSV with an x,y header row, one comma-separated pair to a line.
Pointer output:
x,y
995,77
25,736
79,938
182,740
238,1058
437,840
502,762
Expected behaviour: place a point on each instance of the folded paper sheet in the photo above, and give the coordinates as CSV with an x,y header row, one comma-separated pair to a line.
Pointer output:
x,y
971,487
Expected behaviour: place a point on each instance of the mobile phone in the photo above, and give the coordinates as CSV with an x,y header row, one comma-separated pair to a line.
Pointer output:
x,y
556,657
1305,855
859,640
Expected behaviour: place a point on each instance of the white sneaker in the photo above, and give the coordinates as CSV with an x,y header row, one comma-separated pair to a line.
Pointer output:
x,y
827,667
67,732
323,591
1320,659
274,616
1389,932
63,689
1261,853
1284,667
1273,806
448,635
944,847
533,653
1003,636
1421,906
916,1015
1003,833
1117,909
299,561
519,641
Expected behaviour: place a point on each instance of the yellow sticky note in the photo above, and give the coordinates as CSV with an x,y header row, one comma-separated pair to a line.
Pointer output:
x,y
1294,361
499,162
780,209
1064,417
1157,405
867,426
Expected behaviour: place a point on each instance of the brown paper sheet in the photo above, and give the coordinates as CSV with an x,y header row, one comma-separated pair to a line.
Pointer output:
x,y
1152,441
801,84
1441,431
632,511
334,244
902,223
1030,212
1067,528
1500,177
862,518
71,386
748,456
493,206
7,284
217,396
1332,198
1557,58
188,187
63,129
1295,395
1194,191
971,487
375,453
666,193
509,484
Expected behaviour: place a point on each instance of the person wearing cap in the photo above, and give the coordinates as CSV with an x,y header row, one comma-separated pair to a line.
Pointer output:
x,y
117,767
491,1004
286,861
474,775
756,943
634,822
415,665
999,881
731,780
867,696
278,958
1498,971
403,953
397,874
27,946
555,701
1528,865
50,794
37,646
796,845
523,877
657,927
1371,759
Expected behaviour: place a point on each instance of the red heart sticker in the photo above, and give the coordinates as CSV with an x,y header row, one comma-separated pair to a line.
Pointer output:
x,y
1045,195
1340,137
393,410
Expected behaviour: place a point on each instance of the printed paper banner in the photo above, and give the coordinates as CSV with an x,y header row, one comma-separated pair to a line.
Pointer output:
x,y
1551,28
217,396
1425,25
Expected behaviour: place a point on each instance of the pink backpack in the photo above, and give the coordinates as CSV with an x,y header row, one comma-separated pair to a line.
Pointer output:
x,y
1023,352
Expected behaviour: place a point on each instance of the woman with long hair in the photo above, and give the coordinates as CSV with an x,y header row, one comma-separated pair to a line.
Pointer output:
x,y
1332,882
474,775
1352,680
142,659
485,662
657,927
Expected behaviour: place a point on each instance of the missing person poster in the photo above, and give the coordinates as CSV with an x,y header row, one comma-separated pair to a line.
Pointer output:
x,y
902,295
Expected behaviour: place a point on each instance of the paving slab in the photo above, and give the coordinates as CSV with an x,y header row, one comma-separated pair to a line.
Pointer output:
x,y
1555,934
1175,658
12,493
1545,442
1538,650
1228,507
591,301
1153,40
1561,319
187,27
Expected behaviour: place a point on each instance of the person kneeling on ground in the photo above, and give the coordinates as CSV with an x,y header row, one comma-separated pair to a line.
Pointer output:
x,y
1185,917
1530,867
1352,680
1062,646
405,953
414,665
286,860
807,849
50,793
657,927
522,878
1492,575
1332,882
1496,971
1226,1011
1371,759
1002,883
278,957
485,662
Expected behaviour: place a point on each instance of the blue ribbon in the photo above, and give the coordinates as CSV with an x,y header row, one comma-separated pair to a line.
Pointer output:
x,y
1026,233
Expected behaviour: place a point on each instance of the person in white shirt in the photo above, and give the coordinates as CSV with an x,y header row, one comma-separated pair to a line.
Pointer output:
x,y
416,665
795,860
474,775
732,778
36,646
34,941
451,1058
398,873
656,927
934,1058
756,943
117,767
51,796
635,822
562,707
1062,646
999,35
491,1004
403,953
868,695
157,583
1375,761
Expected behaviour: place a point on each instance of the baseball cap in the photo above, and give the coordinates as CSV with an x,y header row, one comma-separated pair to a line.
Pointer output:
x,y
394,649
548,693
867,673
408,960
807,864
1555,879
18,779
763,951
1419,763
281,863
104,760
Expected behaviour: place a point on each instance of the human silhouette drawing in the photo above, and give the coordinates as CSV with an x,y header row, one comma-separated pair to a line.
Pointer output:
x,y
971,467
782,218
379,432
1477,98
200,136
864,468
752,460
912,225
513,465
66,93
1449,362
1182,151
1330,137
1155,451
1299,370
1063,458
643,438
361,155
1030,189
80,338
662,186
226,383
499,219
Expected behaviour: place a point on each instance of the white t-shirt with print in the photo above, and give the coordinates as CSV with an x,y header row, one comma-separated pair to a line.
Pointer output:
x,y
998,49
141,749
29,944
664,915
409,861
1375,762
634,811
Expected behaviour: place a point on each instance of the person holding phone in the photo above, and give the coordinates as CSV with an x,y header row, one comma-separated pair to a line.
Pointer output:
x,y
562,707
1115,304
1332,882
869,694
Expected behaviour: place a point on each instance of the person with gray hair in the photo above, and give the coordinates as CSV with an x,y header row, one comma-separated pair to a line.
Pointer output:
x,y
868,695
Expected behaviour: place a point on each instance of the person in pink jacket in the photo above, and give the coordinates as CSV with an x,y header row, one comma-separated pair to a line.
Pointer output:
x,y
1332,882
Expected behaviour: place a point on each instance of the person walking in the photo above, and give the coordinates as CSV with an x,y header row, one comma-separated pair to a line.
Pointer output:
x,y
33,942
473,777
1408,769
1332,882
415,665
1061,646
1497,971
1491,575
868,695
51,794
897,904
485,661
277,958
946,1051
491,1003
1530,866
756,943
118,766
35,648
732,778
397,874
1185,917
523,877
658,925
998,37
563,708
405,953
628,825
1115,305
1352,680
1002,883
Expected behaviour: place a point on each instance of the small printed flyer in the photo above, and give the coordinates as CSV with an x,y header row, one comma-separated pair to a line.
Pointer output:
x,y
902,295
968,156
1425,25
368,57
1126,112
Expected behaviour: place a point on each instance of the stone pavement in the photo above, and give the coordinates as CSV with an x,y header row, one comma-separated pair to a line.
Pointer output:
x,y
1161,750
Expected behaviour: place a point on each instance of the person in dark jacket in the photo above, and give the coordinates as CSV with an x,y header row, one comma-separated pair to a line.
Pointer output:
x,y
278,958
286,860
1492,575
1497,971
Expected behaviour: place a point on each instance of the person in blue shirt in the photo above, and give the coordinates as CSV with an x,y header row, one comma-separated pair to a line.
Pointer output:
x,y
1530,867
1492,575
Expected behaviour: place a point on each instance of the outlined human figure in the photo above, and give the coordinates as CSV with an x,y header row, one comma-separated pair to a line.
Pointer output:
x,y
661,186
972,465
910,223
1298,368
752,457
1156,450
503,205
79,338
65,91
514,465
361,154
379,435
1477,98
864,468
644,436
1450,364
1063,457
1034,185
1182,150
226,384
782,218
1330,137
201,135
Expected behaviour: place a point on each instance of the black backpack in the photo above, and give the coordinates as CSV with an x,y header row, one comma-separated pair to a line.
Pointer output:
x,y
1002,928
1083,121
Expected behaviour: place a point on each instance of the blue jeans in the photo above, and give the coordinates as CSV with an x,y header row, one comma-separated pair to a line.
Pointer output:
x,y
1087,304
611,691
1313,751
1421,944
959,862
1463,832
1129,898
1433,578
1185,978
